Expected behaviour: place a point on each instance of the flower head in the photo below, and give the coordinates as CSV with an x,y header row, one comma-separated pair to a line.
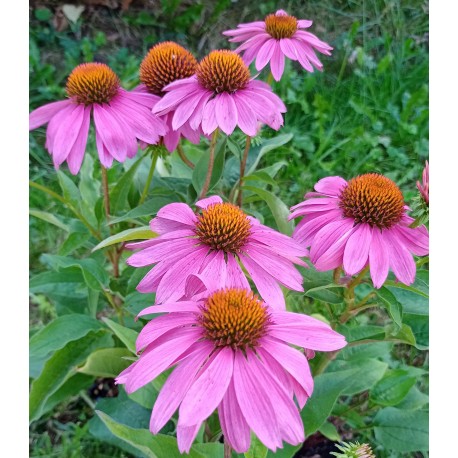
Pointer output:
x,y
424,187
231,351
211,244
279,35
353,450
221,94
359,222
165,63
120,118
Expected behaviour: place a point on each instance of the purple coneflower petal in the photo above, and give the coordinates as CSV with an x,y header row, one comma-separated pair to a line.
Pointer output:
x,y
186,436
226,112
357,249
76,155
265,54
43,114
330,186
204,203
401,261
379,259
277,64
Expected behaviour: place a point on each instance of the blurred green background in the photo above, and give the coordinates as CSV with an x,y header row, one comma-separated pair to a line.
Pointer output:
x,y
367,112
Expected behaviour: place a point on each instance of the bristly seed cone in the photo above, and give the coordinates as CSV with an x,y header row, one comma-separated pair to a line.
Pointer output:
x,y
373,199
223,71
92,83
223,226
166,62
284,26
234,318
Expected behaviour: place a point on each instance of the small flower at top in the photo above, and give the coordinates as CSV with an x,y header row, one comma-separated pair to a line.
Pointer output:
x,y
420,203
360,222
165,63
232,352
279,35
210,244
120,118
424,187
221,95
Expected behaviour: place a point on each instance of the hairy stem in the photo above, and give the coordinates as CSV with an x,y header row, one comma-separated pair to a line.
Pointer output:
x,y
183,157
227,449
211,160
242,169
106,194
149,178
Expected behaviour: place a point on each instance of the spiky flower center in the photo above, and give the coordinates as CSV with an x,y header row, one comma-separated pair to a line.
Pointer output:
x,y
223,71
166,62
373,199
223,226
281,26
92,83
234,318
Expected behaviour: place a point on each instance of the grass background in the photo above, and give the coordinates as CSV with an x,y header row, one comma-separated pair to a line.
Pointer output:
x,y
367,112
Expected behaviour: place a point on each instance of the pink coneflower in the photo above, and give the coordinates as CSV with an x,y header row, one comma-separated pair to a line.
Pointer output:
x,y
279,35
221,94
232,353
360,222
119,117
210,243
424,187
165,63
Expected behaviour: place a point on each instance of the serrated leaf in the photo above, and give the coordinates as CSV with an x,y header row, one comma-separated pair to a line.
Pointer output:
x,y
61,366
126,335
393,388
402,430
106,362
137,233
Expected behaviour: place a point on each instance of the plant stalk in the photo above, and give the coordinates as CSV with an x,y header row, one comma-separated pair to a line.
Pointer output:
x,y
106,194
183,157
211,161
227,449
149,178
242,169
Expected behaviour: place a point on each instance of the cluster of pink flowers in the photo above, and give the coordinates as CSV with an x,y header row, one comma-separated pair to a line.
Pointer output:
x,y
233,350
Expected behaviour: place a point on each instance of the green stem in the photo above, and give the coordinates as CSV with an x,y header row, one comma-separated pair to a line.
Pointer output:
x,y
183,156
149,178
325,361
227,449
270,79
56,196
337,274
116,308
87,399
106,195
211,160
242,169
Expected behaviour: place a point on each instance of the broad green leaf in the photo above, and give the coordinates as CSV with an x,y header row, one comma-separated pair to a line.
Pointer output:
x,y
392,305
419,324
137,233
257,449
269,145
126,335
288,451
200,171
49,218
120,191
71,387
92,302
61,366
414,400
405,334
145,396
74,241
50,279
366,350
402,430
56,335
330,431
69,189
149,208
260,176
94,274
152,446
106,362
330,293
90,190
393,388
278,208
361,332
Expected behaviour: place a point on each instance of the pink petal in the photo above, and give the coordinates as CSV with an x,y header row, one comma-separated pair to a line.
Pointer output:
x,y
181,306
254,403
401,261
277,63
177,385
186,108
204,203
43,114
215,271
378,259
416,240
331,186
226,112
304,23
357,249
179,212
209,123
76,154
208,390
186,436
288,48
247,119
235,277
265,54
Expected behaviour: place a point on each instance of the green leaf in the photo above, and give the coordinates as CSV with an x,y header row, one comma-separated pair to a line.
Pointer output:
x,y
261,176
419,324
200,171
43,14
94,274
330,293
361,332
49,218
330,431
402,430
55,336
392,305
92,302
74,241
278,208
269,145
392,388
145,396
69,189
137,233
126,335
120,191
257,449
89,188
53,278
152,446
61,366
149,208
288,451
405,334
107,362
414,400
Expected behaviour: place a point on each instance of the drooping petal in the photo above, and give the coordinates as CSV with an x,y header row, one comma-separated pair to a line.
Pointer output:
x,y
401,261
357,249
43,114
186,436
265,54
76,155
277,63
226,112
379,259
